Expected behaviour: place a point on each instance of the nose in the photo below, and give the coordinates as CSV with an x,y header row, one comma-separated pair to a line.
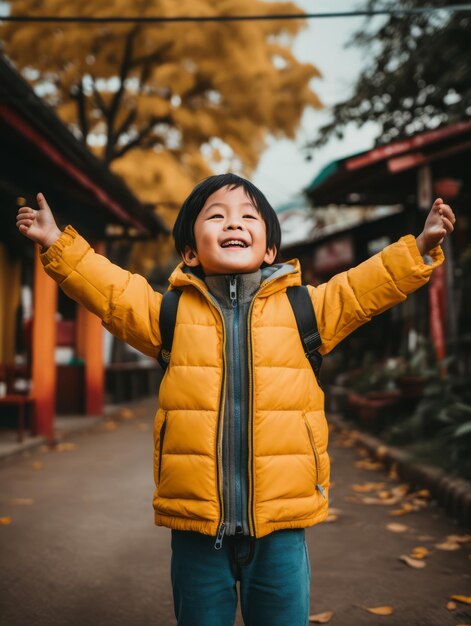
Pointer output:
x,y
234,223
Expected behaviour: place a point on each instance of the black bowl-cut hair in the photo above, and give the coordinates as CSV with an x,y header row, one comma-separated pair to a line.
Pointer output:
x,y
183,231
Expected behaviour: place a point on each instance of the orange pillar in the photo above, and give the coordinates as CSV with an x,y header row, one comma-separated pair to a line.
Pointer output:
x,y
90,349
43,348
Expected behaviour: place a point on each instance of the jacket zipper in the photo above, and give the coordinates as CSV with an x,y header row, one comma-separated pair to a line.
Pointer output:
x,y
221,526
161,444
236,381
250,507
319,487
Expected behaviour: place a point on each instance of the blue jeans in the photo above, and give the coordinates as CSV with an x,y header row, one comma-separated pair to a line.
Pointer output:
x,y
274,574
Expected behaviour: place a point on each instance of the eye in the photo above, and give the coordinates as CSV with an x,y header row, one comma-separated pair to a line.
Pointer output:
x,y
215,215
253,217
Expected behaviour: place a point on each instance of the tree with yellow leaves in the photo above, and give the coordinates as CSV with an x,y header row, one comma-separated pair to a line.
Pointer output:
x,y
163,103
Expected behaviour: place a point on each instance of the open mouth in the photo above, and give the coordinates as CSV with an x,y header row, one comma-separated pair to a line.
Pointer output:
x,y
234,243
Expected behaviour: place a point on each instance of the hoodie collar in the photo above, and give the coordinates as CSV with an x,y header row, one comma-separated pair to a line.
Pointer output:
x,y
273,278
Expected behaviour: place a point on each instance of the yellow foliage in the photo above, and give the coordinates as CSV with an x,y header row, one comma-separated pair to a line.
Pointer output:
x,y
161,96
214,80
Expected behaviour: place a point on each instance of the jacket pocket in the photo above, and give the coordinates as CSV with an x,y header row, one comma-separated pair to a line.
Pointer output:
x,y
315,453
161,444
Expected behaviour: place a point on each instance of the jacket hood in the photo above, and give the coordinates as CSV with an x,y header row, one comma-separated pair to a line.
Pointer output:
x,y
274,277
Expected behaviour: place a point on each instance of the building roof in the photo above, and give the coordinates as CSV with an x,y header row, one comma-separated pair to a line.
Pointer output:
x,y
39,153
387,174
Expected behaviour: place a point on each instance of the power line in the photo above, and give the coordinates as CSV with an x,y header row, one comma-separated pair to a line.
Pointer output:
x,y
111,19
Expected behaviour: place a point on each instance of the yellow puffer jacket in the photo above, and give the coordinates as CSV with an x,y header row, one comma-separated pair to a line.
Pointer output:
x,y
288,432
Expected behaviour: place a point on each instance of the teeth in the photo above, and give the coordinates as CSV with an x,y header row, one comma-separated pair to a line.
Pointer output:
x,y
234,242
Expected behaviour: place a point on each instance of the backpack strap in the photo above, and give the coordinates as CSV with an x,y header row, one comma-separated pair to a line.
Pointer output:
x,y
303,310
167,319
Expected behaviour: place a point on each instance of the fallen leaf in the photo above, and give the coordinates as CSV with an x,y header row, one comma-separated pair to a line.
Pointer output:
x,y
420,504
66,446
422,493
393,475
461,539
401,490
388,502
380,610
395,527
448,545
419,552
331,518
109,425
463,599
368,464
37,465
415,563
381,452
21,501
4,521
334,511
451,606
384,494
126,414
321,618
367,487
406,508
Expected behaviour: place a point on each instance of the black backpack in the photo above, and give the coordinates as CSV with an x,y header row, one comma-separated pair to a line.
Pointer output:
x,y
303,312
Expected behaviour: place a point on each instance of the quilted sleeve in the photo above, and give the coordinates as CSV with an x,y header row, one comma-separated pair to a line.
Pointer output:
x,y
353,297
126,303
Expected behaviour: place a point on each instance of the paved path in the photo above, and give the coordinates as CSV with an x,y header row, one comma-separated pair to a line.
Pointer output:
x,y
82,547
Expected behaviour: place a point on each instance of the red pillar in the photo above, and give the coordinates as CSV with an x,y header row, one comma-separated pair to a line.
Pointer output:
x,y
90,348
43,348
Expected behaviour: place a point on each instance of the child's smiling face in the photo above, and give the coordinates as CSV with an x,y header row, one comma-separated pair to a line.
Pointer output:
x,y
230,235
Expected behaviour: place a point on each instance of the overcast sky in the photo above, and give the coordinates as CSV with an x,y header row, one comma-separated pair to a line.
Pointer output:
x,y
283,170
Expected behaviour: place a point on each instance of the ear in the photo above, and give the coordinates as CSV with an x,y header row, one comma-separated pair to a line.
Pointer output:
x,y
270,255
190,257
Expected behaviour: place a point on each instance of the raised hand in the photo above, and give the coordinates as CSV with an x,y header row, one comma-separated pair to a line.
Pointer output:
x,y
440,221
39,226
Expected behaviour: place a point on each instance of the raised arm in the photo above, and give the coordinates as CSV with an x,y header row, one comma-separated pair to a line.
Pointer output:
x,y
352,298
125,302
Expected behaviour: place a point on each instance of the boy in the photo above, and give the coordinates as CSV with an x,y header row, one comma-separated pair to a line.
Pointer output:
x,y
240,465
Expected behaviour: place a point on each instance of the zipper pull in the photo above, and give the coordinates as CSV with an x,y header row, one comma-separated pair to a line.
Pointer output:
x,y
320,488
220,537
233,291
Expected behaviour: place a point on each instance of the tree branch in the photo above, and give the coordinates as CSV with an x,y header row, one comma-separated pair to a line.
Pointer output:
x,y
99,102
82,111
138,140
118,96
129,119
150,58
